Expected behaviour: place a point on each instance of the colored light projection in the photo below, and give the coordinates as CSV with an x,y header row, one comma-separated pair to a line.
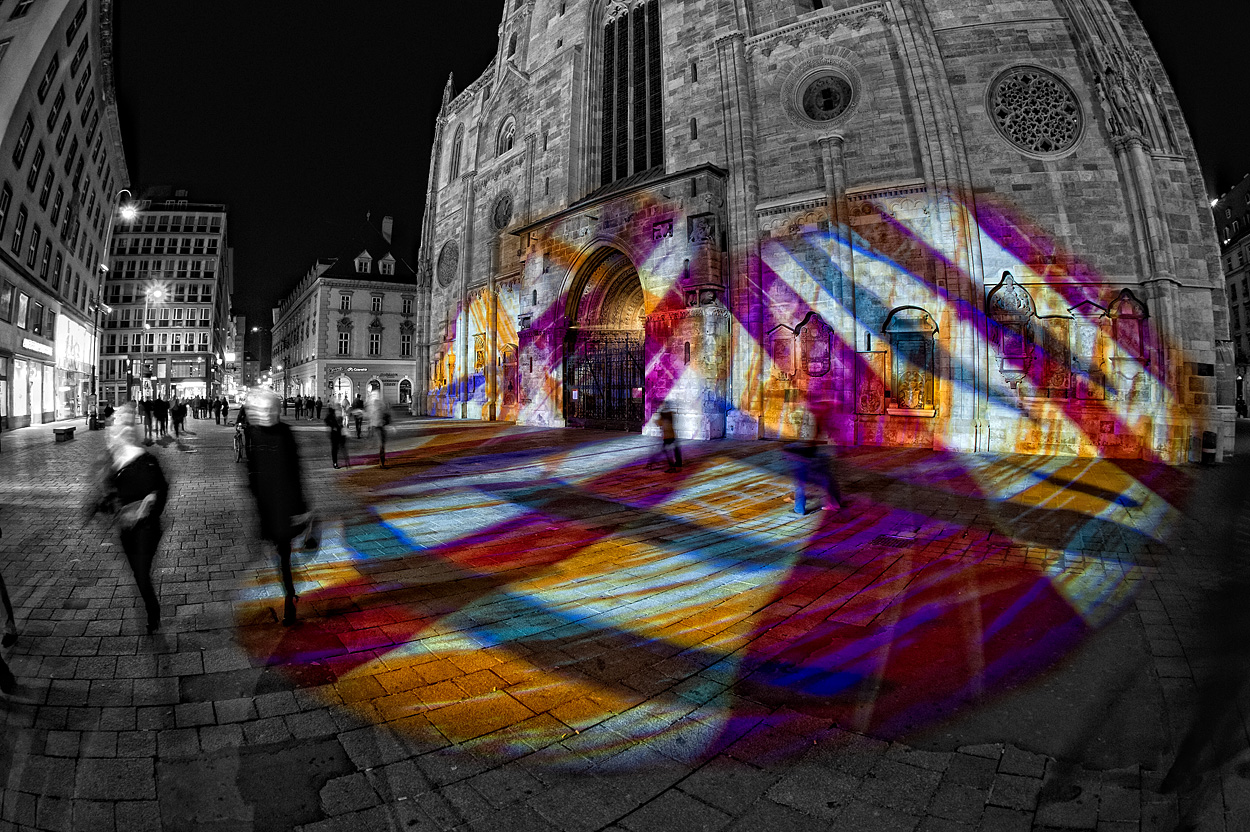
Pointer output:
x,y
874,328
570,603
513,599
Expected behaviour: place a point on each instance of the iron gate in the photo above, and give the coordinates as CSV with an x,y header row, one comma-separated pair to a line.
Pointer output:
x,y
603,380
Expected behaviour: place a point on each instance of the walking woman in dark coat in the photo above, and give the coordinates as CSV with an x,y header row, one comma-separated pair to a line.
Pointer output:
x,y
135,489
273,475
337,441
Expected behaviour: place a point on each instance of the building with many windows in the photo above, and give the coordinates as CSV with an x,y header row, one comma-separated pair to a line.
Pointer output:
x,y
1232,220
61,165
169,288
925,223
348,327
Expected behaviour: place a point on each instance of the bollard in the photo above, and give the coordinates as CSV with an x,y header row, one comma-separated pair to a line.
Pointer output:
x,y
1208,447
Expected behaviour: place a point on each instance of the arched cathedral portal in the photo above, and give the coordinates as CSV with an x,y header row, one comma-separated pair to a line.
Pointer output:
x,y
604,356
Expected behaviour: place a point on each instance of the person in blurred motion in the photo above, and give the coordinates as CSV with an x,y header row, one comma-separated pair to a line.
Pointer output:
x,y
358,413
1216,737
670,447
379,420
276,483
8,683
134,489
337,441
811,461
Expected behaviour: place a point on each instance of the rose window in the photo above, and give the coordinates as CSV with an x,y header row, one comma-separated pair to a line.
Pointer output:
x,y
1035,111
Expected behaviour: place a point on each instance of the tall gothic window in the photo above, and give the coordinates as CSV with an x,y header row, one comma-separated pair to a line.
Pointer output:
x,y
456,145
632,103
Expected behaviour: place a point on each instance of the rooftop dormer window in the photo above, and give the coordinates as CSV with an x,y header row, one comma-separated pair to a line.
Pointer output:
x,y
386,265
362,262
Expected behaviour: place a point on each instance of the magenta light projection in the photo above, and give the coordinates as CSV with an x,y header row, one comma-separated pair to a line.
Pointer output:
x,y
517,598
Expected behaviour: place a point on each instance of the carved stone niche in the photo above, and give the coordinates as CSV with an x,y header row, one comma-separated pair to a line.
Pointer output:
x,y
911,333
815,342
1130,351
780,341
1090,327
1010,309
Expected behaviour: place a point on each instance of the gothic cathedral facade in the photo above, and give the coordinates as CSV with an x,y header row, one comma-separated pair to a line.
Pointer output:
x,y
975,226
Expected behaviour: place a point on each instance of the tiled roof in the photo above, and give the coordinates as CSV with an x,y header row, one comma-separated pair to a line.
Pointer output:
x,y
368,239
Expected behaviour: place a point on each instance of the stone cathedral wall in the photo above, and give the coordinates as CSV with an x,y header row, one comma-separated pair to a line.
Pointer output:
x,y
887,237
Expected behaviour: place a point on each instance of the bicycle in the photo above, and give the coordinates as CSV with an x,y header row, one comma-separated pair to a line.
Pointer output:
x,y
240,444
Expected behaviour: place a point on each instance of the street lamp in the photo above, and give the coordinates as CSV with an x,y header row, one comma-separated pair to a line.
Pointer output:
x,y
128,212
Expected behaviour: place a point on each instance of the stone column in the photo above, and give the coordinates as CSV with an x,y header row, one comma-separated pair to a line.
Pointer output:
x,y
842,260
746,298
466,263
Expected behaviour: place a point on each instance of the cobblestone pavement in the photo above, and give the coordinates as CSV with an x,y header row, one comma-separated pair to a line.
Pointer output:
x,y
523,629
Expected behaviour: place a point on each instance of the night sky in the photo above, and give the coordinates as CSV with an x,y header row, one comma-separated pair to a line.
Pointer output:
x,y
303,117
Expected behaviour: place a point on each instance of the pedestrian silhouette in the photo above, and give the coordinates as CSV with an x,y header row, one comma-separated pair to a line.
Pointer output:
x,y
358,413
379,419
338,442
1216,736
811,461
276,482
132,488
670,447
8,683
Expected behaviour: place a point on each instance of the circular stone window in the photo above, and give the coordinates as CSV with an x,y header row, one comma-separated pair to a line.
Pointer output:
x,y
1036,111
826,97
822,92
501,214
448,263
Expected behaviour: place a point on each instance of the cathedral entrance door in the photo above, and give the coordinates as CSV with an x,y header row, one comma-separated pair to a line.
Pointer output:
x,y
603,380
604,352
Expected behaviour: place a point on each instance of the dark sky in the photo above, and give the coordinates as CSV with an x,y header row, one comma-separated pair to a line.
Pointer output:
x,y
304,115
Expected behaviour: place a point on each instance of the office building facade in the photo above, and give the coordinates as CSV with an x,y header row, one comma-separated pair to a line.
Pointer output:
x,y
169,290
61,166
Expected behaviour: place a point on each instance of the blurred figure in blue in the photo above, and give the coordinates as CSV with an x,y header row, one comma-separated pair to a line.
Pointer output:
x,y
811,460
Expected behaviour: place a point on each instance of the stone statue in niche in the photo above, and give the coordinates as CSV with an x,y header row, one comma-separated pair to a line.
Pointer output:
x,y
479,353
702,229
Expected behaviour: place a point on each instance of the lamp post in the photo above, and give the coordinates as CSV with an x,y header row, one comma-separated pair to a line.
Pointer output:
x,y
155,293
127,212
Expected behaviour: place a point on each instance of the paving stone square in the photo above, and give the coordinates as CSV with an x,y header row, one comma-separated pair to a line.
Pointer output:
x,y
513,628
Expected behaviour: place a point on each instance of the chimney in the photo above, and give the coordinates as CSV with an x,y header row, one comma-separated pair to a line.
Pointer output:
x,y
387,224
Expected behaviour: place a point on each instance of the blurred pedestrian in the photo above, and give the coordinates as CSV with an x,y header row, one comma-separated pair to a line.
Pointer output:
x,y
160,412
318,405
7,681
276,482
134,489
337,441
812,462
1216,736
217,410
178,415
670,447
148,412
358,413
225,410
379,420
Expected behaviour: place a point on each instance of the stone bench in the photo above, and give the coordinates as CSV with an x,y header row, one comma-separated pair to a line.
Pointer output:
x,y
63,434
